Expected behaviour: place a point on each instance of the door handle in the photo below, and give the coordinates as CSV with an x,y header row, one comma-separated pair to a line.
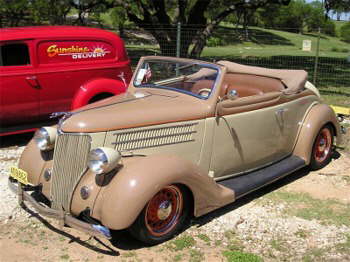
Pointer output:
x,y
33,81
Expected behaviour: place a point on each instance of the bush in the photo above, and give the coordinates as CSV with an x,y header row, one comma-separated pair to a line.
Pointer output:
x,y
345,32
214,41
328,28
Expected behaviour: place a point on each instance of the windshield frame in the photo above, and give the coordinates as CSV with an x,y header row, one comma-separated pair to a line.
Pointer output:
x,y
179,60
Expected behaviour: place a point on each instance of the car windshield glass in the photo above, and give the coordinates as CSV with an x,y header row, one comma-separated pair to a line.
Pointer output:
x,y
187,77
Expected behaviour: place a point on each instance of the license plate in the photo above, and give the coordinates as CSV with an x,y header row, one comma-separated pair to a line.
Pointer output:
x,y
19,174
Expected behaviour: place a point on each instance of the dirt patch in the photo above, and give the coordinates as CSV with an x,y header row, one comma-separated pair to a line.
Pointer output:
x,y
331,182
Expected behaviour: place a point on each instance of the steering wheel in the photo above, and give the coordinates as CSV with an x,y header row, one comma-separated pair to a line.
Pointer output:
x,y
204,92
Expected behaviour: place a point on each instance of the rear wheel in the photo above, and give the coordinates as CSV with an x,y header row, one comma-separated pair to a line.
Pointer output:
x,y
322,148
163,216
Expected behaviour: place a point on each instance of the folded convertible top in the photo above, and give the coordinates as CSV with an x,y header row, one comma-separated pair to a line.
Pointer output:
x,y
294,80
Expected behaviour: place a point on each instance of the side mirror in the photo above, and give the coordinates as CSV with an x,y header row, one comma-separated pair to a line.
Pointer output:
x,y
232,94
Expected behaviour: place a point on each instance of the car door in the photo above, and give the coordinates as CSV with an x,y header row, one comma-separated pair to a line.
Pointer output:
x,y
19,93
248,134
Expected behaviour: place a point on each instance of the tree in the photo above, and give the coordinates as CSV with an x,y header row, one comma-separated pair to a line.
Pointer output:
x,y
31,12
118,19
337,5
86,7
345,32
290,18
161,17
13,12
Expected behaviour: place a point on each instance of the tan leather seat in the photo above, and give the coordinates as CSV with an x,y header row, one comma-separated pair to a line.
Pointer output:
x,y
202,84
249,85
245,91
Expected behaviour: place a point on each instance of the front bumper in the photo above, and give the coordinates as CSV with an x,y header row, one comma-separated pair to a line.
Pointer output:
x,y
64,218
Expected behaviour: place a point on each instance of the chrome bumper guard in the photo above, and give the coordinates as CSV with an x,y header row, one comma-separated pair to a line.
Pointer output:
x,y
65,219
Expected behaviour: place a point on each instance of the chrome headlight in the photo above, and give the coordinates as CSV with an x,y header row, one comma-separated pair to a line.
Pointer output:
x,y
45,138
103,159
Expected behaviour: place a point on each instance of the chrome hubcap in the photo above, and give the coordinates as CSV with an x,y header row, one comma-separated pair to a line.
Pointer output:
x,y
164,210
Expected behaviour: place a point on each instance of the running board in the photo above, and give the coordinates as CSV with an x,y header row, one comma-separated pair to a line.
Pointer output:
x,y
243,184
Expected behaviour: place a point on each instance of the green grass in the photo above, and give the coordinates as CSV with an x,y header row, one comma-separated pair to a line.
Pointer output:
x,y
234,244
314,254
304,206
344,247
181,243
268,42
339,96
237,256
279,244
338,25
204,237
177,257
196,256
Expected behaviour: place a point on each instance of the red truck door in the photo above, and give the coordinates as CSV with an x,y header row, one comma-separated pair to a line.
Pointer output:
x,y
19,89
65,65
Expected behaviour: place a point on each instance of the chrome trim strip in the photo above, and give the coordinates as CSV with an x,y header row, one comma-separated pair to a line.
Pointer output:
x,y
154,137
165,144
134,130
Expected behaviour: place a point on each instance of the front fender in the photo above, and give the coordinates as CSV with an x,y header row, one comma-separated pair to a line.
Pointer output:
x,y
95,87
119,203
318,116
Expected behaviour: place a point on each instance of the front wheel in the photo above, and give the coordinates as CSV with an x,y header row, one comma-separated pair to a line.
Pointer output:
x,y
163,216
322,148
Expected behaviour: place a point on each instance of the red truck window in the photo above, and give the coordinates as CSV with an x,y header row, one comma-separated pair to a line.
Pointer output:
x,y
75,51
14,55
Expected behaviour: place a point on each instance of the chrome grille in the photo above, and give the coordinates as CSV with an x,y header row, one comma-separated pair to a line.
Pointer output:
x,y
139,138
70,161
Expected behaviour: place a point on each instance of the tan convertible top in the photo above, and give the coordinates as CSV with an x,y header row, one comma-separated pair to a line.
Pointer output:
x,y
294,80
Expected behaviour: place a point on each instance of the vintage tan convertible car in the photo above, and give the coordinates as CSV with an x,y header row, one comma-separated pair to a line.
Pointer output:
x,y
188,137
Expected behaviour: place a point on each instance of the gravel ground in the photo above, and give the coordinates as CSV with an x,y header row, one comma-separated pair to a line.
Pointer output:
x,y
254,224
8,206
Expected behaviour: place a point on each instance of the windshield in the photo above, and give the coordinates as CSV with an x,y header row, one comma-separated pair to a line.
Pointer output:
x,y
186,77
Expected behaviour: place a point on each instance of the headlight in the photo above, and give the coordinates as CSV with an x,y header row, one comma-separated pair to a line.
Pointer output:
x,y
45,138
103,159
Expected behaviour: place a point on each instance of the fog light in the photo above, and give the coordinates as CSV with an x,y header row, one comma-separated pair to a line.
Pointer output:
x,y
47,174
85,192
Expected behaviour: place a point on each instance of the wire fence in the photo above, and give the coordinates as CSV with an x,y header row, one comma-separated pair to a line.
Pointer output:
x,y
325,58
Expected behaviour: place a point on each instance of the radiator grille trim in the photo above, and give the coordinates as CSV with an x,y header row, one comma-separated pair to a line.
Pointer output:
x,y
70,162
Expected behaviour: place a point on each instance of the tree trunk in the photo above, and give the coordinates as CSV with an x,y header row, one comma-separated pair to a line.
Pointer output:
x,y
201,41
121,29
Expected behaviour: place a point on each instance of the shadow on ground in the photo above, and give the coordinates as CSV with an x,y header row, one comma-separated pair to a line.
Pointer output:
x,y
15,140
232,36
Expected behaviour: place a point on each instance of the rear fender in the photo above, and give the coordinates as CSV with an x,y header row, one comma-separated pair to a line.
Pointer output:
x,y
318,116
96,87
120,202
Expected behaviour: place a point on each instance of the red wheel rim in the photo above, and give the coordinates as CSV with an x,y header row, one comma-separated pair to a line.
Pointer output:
x,y
164,210
323,144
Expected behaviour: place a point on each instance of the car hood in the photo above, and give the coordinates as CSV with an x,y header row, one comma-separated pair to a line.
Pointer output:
x,y
147,106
